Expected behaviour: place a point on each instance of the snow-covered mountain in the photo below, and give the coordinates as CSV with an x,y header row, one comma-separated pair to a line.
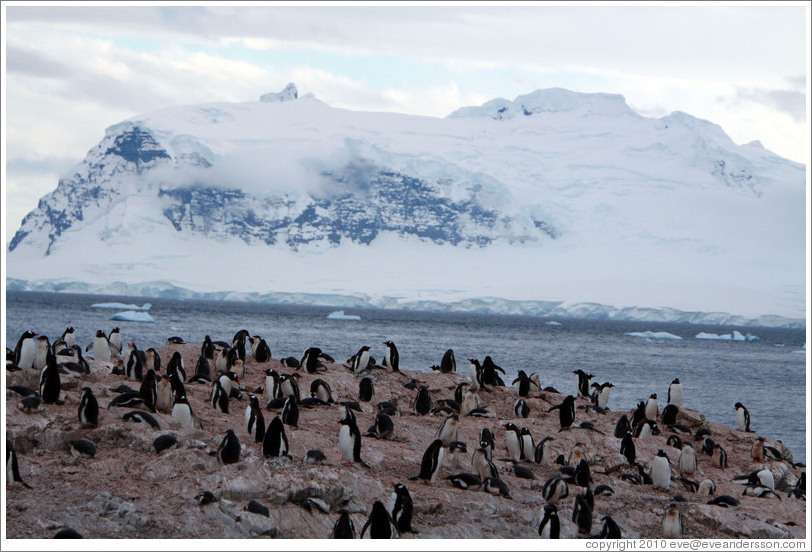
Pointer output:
x,y
557,198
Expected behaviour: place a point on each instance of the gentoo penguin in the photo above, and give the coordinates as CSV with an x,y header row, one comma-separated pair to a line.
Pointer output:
x,y
176,365
219,397
402,509
290,412
672,522
380,523
153,359
757,450
275,442
581,475
431,462
68,533
134,367
49,381
652,409
261,350
229,449
675,394
465,481
521,409
207,349
349,441
382,428
25,350
566,412
687,460
202,369
314,456
639,414
540,455
88,408
391,358
496,486
422,402
221,360
486,440
669,415
760,491
719,456
361,359
480,463
622,427
139,416
554,490
582,514
470,401
646,429
149,390
310,360
583,382
101,347
706,488
627,448
257,508
288,385
68,337
524,383
661,470
238,343
489,375
206,497
610,529
82,448
13,467
320,389
238,369
366,390
448,364
114,339
272,389
603,391
550,526
31,404
41,354
343,528
182,412
513,439
447,432
255,420
457,449
475,373
163,395
528,446
742,417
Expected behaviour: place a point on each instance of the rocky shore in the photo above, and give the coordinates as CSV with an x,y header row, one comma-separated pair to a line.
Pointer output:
x,y
127,490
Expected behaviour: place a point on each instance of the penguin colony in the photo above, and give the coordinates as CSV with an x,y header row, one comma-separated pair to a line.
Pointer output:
x,y
483,432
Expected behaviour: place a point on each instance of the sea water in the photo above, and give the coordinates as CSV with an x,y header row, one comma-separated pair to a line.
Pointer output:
x,y
766,374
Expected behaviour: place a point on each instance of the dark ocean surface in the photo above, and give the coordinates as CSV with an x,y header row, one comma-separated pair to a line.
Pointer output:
x,y
767,375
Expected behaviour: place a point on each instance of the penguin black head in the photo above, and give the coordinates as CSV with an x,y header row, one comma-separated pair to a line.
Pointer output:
x,y
676,381
662,453
653,396
738,405
100,333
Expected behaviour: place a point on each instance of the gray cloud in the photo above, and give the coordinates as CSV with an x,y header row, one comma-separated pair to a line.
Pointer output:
x,y
791,102
19,60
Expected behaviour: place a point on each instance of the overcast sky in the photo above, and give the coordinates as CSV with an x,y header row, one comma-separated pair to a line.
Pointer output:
x,y
71,71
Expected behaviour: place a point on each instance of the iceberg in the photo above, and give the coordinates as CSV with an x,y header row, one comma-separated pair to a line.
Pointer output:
x,y
735,336
144,307
339,315
654,335
132,316
552,323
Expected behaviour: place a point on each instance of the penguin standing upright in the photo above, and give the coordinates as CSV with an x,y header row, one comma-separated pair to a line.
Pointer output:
x,y
88,408
149,390
672,522
207,349
604,391
366,390
675,393
554,490
475,373
344,528
13,467
687,462
101,347
219,397
134,366
622,427
25,350
290,412
402,509
447,432
153,359
627,448
448,364
431,462
582,514
610,529
69,337
422,402
275,442
288,386
380,523
528,447
391,359
540,455
470,401
524,383
261,352
229,450
41,355
272,389
742,417
550,526
114,339
661,470
255,419
566,411
583,382
49,381
651,407
669,415
163,395
182,412
521,409
349,441
310,360
514,442
176,365
361,360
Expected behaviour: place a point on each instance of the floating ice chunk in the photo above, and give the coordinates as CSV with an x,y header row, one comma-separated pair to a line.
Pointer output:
x,y
117,306
735,336
654,335
132,316
339,315
552,323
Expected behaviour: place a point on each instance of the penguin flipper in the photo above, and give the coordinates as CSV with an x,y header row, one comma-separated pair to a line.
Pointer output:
x,y
415,478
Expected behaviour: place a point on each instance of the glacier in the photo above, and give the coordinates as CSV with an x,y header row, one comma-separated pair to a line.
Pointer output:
x,y
556,204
